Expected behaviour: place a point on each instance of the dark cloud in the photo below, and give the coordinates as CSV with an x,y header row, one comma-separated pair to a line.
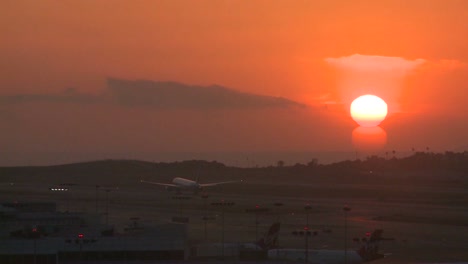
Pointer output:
x,y
160,95
168,95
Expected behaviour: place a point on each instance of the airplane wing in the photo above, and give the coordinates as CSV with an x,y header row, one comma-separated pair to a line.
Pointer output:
x,y
160,183
216,183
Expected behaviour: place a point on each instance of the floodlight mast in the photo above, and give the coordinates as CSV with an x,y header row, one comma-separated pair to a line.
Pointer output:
x,y
307,208
222,204
346,209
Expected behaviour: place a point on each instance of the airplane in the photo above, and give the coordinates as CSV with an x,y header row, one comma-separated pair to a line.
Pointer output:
x,y
368,252
229,250
180,184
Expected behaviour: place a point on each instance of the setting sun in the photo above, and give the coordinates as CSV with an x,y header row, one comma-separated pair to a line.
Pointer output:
x,y
368,110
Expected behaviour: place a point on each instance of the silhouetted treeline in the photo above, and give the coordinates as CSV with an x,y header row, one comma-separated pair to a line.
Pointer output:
x,y
448,166
437,167
427,160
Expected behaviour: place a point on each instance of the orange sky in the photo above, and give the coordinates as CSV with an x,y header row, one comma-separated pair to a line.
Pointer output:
x,y
276,48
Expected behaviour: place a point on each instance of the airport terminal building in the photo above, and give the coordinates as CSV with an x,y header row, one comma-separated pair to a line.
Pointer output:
x,y
38,233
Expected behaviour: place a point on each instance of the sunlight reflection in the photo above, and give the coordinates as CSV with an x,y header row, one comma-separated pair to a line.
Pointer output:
x,y
369,139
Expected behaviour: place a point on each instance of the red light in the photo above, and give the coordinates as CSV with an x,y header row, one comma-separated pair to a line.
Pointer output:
x,y
257,206
34,230
80,235
306,228
367,234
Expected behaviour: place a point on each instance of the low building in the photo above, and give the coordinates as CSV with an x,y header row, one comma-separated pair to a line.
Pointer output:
x,y
30,235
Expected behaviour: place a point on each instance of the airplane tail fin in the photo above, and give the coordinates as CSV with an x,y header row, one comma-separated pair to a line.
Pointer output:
x,y
370,248
270,239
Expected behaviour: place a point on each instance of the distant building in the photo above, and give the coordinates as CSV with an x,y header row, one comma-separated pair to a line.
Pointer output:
x,y
37,233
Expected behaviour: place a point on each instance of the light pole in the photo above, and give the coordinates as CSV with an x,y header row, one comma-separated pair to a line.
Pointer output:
x,y
35,235
80,243
107,207
257,209
307,208
97,195
346,209
180,218
205,217
222,204
278,205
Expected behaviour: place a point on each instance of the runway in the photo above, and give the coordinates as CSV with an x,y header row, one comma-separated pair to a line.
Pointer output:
x,y
422,230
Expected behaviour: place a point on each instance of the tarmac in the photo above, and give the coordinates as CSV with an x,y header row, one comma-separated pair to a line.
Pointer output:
x,y
424,228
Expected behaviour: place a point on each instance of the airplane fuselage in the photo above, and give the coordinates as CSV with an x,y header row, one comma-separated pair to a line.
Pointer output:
x,y
179,184
185,183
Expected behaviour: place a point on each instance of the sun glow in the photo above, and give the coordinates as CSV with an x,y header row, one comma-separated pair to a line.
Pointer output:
x,y
369,139
368,110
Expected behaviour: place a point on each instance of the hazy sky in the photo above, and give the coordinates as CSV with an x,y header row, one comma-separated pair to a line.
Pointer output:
x,y
58,60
